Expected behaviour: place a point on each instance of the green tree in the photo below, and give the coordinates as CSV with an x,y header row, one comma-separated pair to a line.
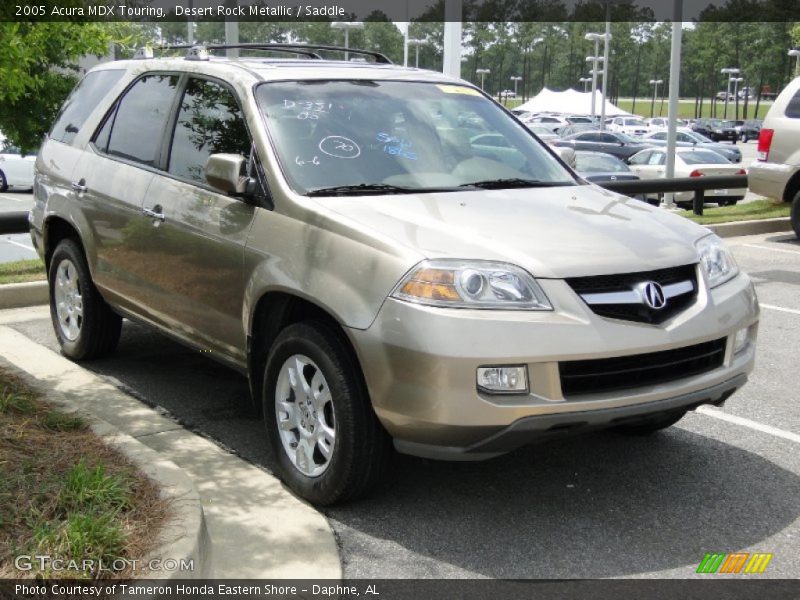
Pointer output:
x,y
38,68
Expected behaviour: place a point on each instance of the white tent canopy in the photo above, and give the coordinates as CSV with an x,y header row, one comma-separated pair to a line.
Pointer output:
x,y
569,102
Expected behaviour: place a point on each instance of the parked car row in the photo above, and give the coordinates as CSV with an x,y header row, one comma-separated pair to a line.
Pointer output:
x,y
16,169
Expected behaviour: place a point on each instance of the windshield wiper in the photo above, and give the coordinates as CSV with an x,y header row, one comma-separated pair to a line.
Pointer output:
x,y
362,189
514,182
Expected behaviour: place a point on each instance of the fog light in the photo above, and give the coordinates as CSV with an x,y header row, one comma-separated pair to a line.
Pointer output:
x,y
503,380
741,340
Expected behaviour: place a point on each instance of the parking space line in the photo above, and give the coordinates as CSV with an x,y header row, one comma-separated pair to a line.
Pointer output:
x,y
768,429
770,249
16,243
793,311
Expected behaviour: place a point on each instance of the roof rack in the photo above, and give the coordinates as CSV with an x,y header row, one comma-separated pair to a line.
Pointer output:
x,y
194,52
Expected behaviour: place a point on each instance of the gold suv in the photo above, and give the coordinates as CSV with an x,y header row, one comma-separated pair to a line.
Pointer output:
x,y
390,257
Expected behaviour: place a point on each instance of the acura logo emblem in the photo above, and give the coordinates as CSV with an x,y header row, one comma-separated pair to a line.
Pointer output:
x,y
653,295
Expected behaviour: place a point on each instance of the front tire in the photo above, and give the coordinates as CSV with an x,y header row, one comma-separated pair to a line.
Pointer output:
x,y
324,435
3,182
84,324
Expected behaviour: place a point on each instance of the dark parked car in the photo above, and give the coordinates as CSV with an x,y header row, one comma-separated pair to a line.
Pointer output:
x,y
620,145
751,130
599,167
716,130
686,138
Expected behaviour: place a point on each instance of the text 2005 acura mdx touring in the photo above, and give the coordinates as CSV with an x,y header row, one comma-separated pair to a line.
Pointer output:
x,y
386,253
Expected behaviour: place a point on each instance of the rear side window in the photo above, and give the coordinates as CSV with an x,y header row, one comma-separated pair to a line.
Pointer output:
x,y
793,108
82,102
135,128
209,122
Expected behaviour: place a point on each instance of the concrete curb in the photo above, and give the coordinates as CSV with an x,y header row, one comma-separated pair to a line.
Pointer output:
x,y
751,227
184,537
257,528
14,295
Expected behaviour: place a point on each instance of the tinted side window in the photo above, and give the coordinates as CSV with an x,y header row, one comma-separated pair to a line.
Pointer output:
x,y
607,138
209,122
141,118
589,137
82,102
793,108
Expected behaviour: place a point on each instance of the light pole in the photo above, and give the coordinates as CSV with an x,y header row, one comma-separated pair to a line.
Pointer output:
x,y
606,38
585,81
736,81
347,26
516,79
482,73
655,83
730,72
416,44
796,53
594,37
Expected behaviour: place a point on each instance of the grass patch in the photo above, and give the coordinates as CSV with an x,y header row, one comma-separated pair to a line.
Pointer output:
x,y
686,109
63,493
20,271
758,209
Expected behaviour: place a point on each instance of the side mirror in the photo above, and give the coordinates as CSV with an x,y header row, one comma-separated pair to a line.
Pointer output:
x,y
225,172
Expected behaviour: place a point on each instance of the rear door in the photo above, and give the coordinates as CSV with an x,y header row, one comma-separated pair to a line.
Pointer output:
x,y
194,249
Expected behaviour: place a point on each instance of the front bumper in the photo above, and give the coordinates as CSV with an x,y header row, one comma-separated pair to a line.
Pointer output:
x,y
420,367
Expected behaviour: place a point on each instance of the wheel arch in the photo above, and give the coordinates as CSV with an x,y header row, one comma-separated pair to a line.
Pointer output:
x,y
273,312
57,229
792,187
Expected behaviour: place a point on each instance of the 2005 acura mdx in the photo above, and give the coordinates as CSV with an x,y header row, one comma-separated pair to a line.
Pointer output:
x,y
388,254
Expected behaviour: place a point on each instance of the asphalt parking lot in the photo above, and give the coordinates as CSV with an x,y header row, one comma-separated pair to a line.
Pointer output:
x,y
16,246
603,505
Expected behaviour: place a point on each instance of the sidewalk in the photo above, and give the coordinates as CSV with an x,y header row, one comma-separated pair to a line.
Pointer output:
x,y
257,528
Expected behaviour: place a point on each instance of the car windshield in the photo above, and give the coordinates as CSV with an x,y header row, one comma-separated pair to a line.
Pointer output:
x,y
716,123
634,122
396,137
698,157
623,137
699,137
599,163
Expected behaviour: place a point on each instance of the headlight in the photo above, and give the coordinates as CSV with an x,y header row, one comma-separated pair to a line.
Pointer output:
x,y
471,284
717,261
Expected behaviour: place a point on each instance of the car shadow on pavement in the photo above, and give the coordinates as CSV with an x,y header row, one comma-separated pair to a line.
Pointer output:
x,y
603,505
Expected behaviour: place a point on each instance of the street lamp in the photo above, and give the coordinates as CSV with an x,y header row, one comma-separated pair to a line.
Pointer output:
x,y
796,53
606,38
595,72
516,79
347,26
482,73
730,72
655,83
585,81
417,44
736,81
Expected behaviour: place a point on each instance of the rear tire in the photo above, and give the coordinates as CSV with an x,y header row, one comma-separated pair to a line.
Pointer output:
x,y
795,214
3,182
652,425
84,324
325,437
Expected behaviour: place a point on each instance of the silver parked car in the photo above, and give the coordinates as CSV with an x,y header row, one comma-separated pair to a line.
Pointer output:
x,y
776,173
381,277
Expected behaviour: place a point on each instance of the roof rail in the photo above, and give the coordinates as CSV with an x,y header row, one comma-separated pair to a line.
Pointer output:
x,y
307,50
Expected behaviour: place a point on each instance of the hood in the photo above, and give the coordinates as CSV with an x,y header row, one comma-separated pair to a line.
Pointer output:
x,y
552,232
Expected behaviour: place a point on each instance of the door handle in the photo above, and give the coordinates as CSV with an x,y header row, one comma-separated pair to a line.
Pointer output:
x,y
79,186
155,213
